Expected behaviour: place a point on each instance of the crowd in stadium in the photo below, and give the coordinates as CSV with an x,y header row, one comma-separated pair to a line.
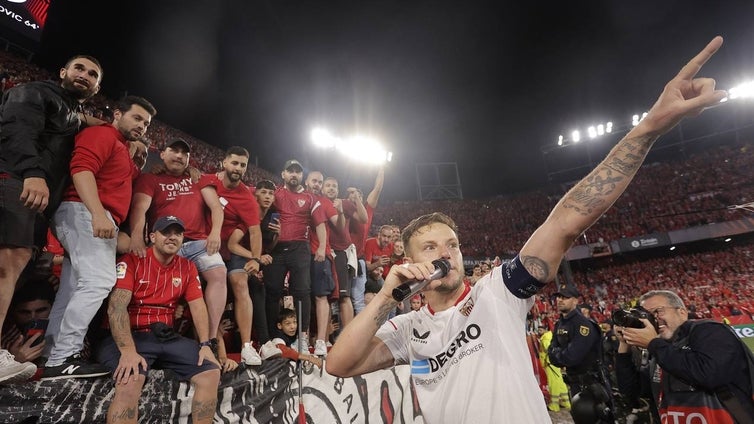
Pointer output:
x,y
696,190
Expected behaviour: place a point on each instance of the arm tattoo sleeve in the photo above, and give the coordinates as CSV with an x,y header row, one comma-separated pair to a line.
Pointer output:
x,y
383,313
598,189
117,311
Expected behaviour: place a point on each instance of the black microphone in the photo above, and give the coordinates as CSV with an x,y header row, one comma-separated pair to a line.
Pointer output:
x,y
411,287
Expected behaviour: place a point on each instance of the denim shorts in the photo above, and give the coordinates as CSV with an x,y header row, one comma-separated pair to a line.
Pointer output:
x,y
196,252
235,264
323,283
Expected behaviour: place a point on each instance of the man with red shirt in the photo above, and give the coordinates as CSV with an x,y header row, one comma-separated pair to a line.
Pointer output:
x,y
359,233
340,240
240,210
173,193
324,283
141,310
298,209
377,250
86,224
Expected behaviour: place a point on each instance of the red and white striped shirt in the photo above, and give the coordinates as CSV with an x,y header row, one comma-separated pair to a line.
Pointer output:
x,y
156,288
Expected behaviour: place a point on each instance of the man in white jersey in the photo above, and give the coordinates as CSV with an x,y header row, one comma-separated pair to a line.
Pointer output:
x,y
469,343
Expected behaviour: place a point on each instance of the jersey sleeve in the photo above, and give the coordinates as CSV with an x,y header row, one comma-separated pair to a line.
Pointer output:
x,y
145,184
193,284
394,334
125,270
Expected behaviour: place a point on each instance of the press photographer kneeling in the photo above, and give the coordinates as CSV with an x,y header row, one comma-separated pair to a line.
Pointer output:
x,y
697,368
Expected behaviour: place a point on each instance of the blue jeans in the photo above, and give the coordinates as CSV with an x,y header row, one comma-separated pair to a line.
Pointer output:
x,y
87,277
358,285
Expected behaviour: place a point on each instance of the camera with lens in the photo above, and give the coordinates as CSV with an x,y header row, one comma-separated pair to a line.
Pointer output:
x,y
631,318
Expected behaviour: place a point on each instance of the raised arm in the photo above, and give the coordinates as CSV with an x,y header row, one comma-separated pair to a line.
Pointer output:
x,y
685,95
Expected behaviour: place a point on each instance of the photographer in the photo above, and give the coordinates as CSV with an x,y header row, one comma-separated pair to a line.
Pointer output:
x,y
577,346
697,368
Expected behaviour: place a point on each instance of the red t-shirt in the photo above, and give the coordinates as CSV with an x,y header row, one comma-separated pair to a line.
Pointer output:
x,y
359,231
104,151
296,213
372,251
240,209
156,288
341,239
177,196
324,209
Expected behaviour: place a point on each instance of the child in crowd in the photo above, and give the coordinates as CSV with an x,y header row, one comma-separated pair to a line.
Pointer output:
x,y
286,344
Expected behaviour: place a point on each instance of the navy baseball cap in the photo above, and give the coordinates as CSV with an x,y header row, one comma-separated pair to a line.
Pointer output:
x,y
164,222
179,142
567,290
291,163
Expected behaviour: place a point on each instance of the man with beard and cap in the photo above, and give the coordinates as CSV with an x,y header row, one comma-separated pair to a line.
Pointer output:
x,y
577,347
240,209
86,224
299,211
38,122
697,368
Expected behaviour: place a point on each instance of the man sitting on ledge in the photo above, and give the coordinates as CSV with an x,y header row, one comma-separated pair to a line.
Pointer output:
x,y
140,312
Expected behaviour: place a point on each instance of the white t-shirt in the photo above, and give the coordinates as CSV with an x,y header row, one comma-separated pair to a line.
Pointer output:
x,y
470,363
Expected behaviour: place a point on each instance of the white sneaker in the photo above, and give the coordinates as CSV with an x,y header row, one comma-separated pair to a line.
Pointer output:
x,y
320,348
249,355
271,350
12,371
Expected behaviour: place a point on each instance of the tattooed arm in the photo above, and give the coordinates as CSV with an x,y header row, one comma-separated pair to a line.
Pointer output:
x,y
120,328
685,95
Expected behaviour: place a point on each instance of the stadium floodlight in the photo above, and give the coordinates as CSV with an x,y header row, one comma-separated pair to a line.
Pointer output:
x,y
742,91
600,129
363,148
576,136
609,127
592,132
635,120
672,248
560,140
322,137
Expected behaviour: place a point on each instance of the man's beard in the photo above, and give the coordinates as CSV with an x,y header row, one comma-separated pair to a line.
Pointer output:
x,y
76,92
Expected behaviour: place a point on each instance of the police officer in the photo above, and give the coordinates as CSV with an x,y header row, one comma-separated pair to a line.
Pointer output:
x,y
577,346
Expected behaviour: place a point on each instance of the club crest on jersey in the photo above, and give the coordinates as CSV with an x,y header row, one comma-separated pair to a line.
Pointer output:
x,y
120,270
176,281
301,202
584,330
465,310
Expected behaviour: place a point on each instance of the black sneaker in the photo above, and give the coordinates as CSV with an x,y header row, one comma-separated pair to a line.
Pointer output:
x,y
74,367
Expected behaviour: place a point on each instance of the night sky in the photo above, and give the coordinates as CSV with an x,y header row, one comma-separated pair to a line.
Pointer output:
x,y
482,84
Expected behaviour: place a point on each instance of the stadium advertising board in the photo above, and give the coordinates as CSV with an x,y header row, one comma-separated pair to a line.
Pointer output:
x,y
26,17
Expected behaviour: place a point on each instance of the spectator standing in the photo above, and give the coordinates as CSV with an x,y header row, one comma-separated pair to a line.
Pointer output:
x,y
473,342
378,250
86,224
38,123
360,232
340,240
323,276
240,210
298,210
